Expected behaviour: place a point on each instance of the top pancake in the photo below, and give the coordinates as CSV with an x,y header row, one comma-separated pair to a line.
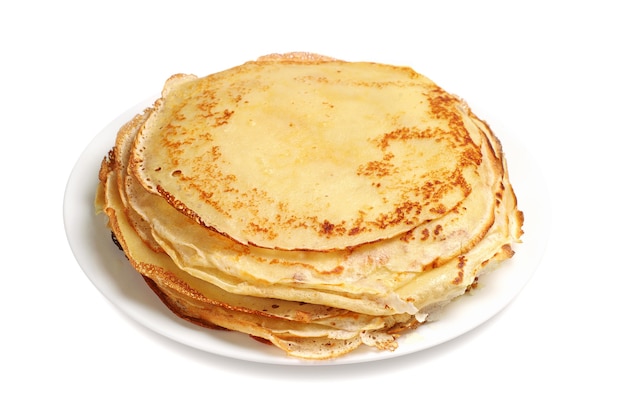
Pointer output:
x,y
308,154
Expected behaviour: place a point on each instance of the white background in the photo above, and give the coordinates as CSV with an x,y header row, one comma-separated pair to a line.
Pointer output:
x,y
551,72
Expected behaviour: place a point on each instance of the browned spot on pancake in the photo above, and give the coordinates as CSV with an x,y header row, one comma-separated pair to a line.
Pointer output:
x,y
378,168
460,265
404,134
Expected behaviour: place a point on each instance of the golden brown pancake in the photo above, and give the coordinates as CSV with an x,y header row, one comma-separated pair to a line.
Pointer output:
x,y
308,155
314,203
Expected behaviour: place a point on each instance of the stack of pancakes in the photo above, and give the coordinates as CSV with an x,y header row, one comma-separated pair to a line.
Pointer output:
x,y
313,203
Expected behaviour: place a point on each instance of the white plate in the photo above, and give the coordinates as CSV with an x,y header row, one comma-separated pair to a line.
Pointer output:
x,y
111,273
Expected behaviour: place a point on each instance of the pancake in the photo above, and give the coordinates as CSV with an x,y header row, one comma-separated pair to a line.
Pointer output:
x,y
229,150
313,203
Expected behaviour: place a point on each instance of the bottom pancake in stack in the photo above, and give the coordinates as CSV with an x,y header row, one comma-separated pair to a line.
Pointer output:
x,y
312,203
